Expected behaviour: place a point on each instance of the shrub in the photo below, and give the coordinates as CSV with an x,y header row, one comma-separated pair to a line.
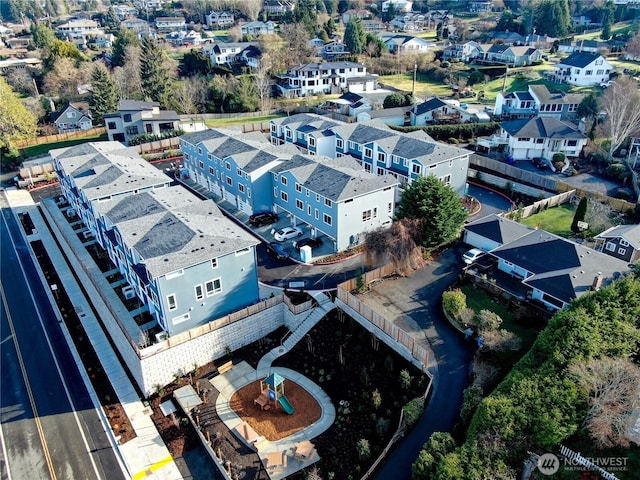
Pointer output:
x,y
559,157
472,396
364,449
454,301
452,140
488,320
413,410
376,399
405,379
617,170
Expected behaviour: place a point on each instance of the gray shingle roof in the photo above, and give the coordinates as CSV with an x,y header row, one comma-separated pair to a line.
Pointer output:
x,y
101,169
426,152
428,105
171,228
545,96
562,269
497,228
335,179
630,233
364,132
579,59
542,127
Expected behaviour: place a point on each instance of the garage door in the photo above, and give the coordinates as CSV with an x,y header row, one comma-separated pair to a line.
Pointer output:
x,y
244,207
230,197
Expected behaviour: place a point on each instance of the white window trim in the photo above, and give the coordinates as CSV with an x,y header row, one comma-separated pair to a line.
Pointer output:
x,y
195,288
175,302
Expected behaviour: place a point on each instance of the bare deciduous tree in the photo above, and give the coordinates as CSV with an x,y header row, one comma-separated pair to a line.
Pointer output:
x,y
250,8
65,80
398,242
127,78
297,39
614,393
262,81
621,104
191,95
501,340
633,47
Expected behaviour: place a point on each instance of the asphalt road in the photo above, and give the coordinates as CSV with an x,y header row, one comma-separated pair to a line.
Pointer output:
x,y
48,425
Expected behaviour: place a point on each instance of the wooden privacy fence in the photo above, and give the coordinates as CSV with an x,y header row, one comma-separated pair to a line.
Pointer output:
x,y
60,137
615,203
402,337
516,173
172,143
535,207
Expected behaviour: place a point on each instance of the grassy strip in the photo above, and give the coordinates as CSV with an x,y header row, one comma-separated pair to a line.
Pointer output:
x,y
228,122
555,220
43,148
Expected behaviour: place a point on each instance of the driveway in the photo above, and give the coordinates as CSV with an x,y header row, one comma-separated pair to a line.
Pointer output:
x,y
491,201
414,303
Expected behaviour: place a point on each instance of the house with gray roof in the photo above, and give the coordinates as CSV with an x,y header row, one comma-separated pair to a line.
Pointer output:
x,y
582,69
554,270
434,110
325,77
186,262
621,241
538,101
334,197
543,137
308,131
135,118
493,231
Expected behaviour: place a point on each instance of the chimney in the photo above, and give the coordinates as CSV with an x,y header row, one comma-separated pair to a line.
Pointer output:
x,y
597,281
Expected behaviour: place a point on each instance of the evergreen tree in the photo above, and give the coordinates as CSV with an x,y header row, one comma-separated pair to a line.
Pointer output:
x,y
588,109
355,36
111,20
43,36
154,72
124,38
608,13
581,212
436,206
553,17
103,98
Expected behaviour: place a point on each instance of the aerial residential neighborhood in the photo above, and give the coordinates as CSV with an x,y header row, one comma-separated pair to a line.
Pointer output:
x,y
320,239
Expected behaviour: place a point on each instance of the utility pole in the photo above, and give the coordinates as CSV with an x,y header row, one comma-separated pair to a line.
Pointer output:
x,y
415,71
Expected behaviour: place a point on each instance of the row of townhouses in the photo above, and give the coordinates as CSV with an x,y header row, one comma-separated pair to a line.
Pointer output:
x,y
185,261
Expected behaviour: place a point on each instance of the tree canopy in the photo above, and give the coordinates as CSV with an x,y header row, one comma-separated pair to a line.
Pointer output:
x,y
16,121
436,206
154,73
354,36
124,38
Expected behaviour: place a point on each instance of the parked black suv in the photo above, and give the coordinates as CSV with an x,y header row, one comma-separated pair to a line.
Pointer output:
x,y
540,163
312,242
263,218
277,251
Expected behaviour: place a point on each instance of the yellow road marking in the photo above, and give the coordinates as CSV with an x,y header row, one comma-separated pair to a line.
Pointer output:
x,y
155,466
23,369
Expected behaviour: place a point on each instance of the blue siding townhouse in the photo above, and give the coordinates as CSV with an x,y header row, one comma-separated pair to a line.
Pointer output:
x,y
334,197
380,150
184,260
232,167
308,131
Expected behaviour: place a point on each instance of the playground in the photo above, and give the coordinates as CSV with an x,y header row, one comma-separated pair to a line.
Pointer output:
x,y
275,407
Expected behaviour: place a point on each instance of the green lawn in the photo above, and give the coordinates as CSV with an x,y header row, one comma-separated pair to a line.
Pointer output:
x,y
554,220
42,149
228,122
478,299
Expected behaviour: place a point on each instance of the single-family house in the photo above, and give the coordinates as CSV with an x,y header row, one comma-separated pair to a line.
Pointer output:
x,y
621,242
351,104
513,56
167,243
314,78
584,21
359,14
398,116
220,19
526,139
570,46
103,41
551,270
538,101
135,118
434,110
333,49
125,11
398,5
75,29
277,8
582,69
478,6
167,24
135,24
373,26
223,53
493,231
467,51
334,197
409,22
74,117
11,64
399,44
250,56
150,5
255,29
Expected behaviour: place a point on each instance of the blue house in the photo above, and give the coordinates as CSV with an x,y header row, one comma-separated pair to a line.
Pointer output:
x,y
334,197
233,166
180,256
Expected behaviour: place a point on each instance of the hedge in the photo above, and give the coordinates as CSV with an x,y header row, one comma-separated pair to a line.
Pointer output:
x,y
462,131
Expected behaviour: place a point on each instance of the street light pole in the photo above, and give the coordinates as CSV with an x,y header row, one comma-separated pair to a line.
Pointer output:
x,y
415,70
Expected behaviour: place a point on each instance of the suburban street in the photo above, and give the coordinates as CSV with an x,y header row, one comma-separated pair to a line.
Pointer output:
x,y
49,427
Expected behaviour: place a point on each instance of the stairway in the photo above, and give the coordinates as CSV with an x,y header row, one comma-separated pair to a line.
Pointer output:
x,y
325,305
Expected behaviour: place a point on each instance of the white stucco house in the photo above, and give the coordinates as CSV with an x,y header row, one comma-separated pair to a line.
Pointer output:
x,y
582,69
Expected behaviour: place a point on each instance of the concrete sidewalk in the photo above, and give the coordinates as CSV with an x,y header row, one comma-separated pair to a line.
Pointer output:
x,y
146,456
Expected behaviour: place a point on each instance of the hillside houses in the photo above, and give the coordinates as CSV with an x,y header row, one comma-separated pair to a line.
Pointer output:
x,y
582,69
327,77
538,100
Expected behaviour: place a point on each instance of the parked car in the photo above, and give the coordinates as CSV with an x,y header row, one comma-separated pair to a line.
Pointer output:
x,y
606,84
472,255
312,242
278,251
540,163
263,218
287,233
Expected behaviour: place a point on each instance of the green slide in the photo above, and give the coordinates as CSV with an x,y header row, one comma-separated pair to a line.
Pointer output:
x,y
286,406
